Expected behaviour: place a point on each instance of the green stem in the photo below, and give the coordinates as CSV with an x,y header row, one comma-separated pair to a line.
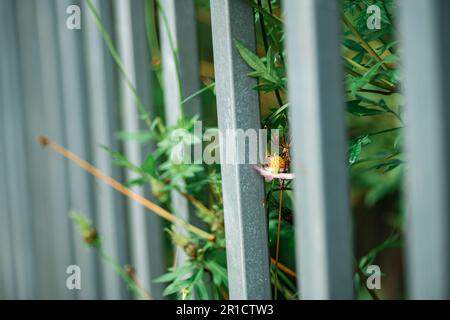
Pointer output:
x,y
266,46
109,43
152,39
121,272
174,50
384,131
363,280
364,43
199,92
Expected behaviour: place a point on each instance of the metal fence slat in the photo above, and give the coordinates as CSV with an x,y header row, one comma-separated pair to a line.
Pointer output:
x,y
425,27
145,238
7,276
322,212
103,124
243,190
7,285
36,160
57,189
76,130
14,155
178,34
145,90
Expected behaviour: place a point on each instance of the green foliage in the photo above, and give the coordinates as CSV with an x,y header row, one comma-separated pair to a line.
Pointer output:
x,y
92,239
371,82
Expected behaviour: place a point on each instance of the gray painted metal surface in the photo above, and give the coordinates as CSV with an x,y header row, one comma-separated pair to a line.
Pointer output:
x,y
323,222
13,153
425,28
75,117
8,287
36,160
57,188
144,87
145,242
243,190
100,71
178,33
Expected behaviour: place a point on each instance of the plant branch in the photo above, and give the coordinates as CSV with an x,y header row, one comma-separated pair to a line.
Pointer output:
x,y
363,280
45,141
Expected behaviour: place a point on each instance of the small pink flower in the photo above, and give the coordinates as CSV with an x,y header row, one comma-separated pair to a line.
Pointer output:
x,y
269,175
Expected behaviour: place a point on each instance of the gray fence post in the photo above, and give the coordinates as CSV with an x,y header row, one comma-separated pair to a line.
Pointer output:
x,y
43,115
75,113
243,190
145,87
322,213
103,119
13,152
8,287
424,33
7,284
146,242
178,33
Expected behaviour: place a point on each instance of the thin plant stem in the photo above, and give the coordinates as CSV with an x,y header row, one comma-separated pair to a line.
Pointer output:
x,y
131,272
266,47
363,280
121,272
124,190
174,50
152,39
364,43
199,92
116,57
277,252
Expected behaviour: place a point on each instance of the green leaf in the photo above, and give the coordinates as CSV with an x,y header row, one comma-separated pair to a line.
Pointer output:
x,y
167,277
177,286
140,136
135,182
391,242
260,69
149,165
120,160
200,289
354,108
388,165
356,147
220,274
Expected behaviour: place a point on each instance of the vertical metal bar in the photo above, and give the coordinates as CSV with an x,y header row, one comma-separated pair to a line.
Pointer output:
x,y
144,87
40,79
14,154
424,29
36,160
8,286
177,24
243,190
75,113
322,211
110,214
57,189
7,283
145,244
179,33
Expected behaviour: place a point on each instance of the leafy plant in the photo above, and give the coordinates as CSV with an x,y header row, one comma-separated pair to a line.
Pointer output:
x,y
371,80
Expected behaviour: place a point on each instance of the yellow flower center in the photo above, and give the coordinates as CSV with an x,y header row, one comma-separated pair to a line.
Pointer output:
x,y
276,164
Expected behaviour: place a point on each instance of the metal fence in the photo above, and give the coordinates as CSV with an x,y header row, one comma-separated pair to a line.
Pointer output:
x,y
64,83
